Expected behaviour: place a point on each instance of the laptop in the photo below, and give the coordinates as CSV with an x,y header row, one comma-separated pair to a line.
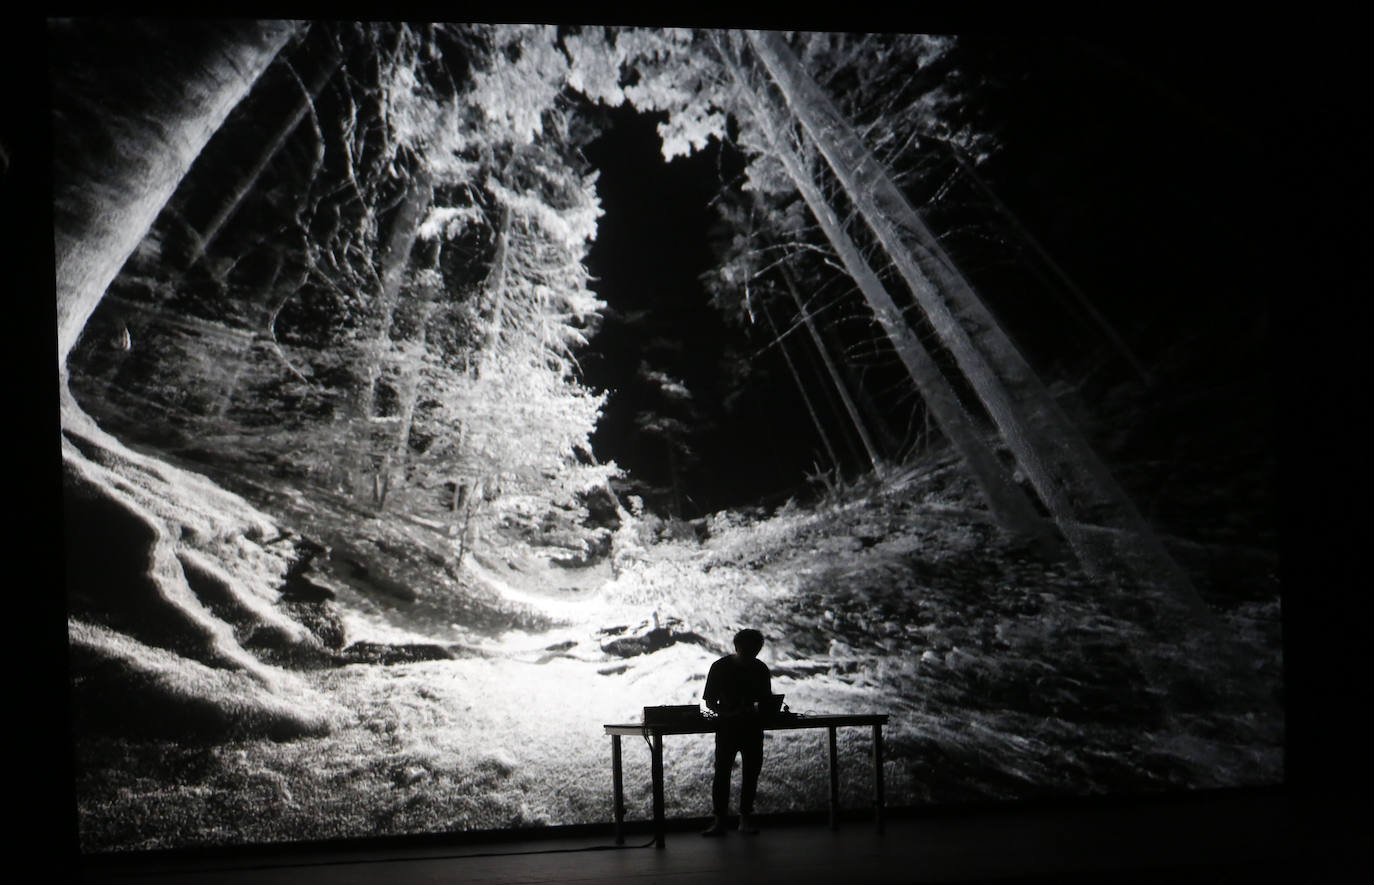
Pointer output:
x,y
771,706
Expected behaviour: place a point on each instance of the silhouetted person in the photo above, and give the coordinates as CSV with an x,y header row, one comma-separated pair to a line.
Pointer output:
x,y
736,687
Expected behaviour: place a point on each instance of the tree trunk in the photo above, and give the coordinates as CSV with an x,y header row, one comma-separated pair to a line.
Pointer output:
x,y
801,388
1075,486
395,258
835,409
878,425
1102,524
107,191
1008,504
496,283
465,534
1019,229
245,184
376,337
410,387
133,105
278,298
841,388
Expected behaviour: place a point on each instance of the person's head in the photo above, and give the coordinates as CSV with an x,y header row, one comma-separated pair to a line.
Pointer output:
x,y
748,643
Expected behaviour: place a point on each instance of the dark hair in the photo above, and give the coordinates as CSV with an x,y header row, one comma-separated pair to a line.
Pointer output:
x,y
749,641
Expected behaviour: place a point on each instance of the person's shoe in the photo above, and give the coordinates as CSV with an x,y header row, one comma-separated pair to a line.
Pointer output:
x,y
717,828
746,827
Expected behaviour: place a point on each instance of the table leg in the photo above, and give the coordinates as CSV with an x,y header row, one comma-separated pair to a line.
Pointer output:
x,y
658,790
834,782
878,776
618,786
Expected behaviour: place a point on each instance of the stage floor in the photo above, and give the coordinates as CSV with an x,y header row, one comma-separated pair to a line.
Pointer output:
x,y
1209,838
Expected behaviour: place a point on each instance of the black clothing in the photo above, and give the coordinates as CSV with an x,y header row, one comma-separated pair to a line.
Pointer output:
x,y
733,686
748,742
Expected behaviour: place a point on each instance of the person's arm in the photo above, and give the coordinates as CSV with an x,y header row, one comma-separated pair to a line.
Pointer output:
x,y
711,693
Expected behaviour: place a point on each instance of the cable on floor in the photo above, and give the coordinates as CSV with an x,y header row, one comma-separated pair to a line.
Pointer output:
x,y
365,860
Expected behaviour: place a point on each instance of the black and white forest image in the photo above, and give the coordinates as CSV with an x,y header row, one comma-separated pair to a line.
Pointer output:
x,y
433,394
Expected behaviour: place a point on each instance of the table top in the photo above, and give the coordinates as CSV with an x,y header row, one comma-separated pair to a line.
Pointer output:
x,y
777,722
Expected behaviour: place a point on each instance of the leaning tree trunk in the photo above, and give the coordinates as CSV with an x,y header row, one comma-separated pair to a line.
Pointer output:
x,y
801,388
1076,487
108,192
1107,532
841,388
158,595
1009,506
1082,300
246,182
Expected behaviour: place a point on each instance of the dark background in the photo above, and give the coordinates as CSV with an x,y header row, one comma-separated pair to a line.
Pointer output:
x,y
1294,91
